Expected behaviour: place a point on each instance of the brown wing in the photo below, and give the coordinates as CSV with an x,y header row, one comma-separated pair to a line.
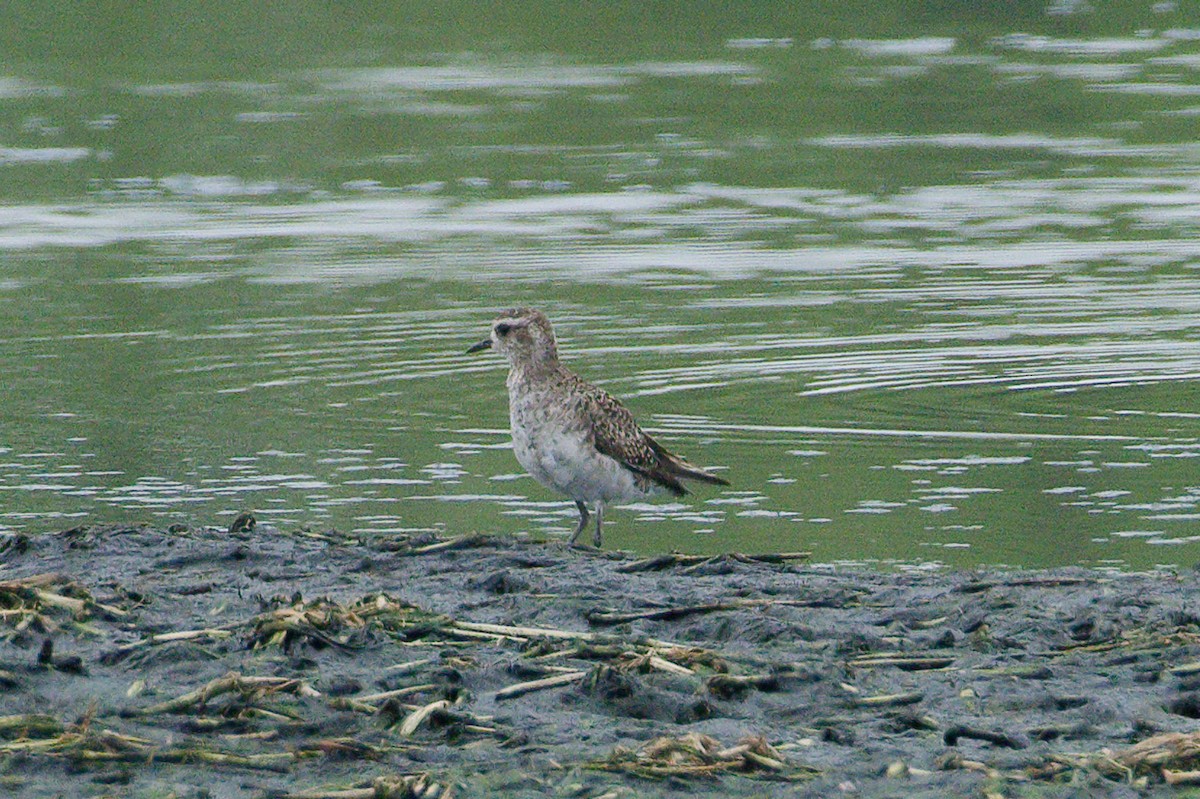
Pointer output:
x,y
618,436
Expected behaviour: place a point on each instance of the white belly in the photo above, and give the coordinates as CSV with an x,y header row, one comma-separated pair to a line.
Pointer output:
x,y
556,452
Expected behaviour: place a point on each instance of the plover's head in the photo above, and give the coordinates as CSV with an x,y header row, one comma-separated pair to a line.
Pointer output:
x,y
522,335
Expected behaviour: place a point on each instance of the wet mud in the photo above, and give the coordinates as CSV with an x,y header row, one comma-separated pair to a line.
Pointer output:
x,y
263,663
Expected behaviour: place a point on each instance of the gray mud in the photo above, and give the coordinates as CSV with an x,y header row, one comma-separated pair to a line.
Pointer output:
x,y
840,681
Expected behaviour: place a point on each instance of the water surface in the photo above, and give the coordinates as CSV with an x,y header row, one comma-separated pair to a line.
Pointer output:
x,y
925,287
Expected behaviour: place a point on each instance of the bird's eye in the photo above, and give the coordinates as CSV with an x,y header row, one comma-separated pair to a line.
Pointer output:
x,y
503,328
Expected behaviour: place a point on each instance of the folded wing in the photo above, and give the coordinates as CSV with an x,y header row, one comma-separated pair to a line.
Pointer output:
x,y
619,437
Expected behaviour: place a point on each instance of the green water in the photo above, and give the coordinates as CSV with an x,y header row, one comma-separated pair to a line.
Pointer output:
x,y
923,280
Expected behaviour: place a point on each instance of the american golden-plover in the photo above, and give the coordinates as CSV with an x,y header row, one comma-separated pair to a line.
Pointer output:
x,y
572,436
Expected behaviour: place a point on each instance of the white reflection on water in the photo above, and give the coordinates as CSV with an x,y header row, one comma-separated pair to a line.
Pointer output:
x,y
1087,72
984,220
1084,146
828,367
516,77
923,46
10,156
713,428
1081,47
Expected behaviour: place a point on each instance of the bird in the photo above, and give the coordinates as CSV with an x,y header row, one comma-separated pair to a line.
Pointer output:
x,y
575,437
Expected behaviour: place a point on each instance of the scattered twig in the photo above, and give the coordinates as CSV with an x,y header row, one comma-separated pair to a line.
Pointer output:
x,y
507,631
1181,777
415,719
661,562
34,602
889,700
773,557
406,786
248,687
1177,751
957,731
1185,670
606,618
459,542
698,755
728,685
397,693
410,666
82,744
901,662
123,651
522,688
29,725
1025,582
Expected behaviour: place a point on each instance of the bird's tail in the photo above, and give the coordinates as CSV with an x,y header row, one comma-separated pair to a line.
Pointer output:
x,y
677,467
682,468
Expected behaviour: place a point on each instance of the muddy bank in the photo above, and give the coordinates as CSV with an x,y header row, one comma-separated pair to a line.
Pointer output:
x,y
140,662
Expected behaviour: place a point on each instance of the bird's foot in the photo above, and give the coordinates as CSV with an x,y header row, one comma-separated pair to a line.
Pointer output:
x,y
579,547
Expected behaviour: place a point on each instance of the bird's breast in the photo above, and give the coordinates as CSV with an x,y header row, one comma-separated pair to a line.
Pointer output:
x,y
552,441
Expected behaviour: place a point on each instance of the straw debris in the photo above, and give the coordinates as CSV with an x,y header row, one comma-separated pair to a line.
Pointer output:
x,y
324,623
915,683
81,743
698,755
1173,757
29,725
243,697
42,603
402,786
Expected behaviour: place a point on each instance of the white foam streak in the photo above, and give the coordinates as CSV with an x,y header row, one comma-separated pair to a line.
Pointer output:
x,y
518,77
710,428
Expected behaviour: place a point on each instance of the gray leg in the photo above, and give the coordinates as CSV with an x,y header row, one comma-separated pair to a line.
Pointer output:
x,y
583,520
599,523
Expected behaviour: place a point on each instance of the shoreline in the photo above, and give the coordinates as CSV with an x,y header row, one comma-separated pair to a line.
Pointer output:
x,y
261,663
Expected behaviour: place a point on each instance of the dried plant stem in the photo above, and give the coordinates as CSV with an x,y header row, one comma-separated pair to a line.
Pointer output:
x,y
418,717
228,684
522,688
